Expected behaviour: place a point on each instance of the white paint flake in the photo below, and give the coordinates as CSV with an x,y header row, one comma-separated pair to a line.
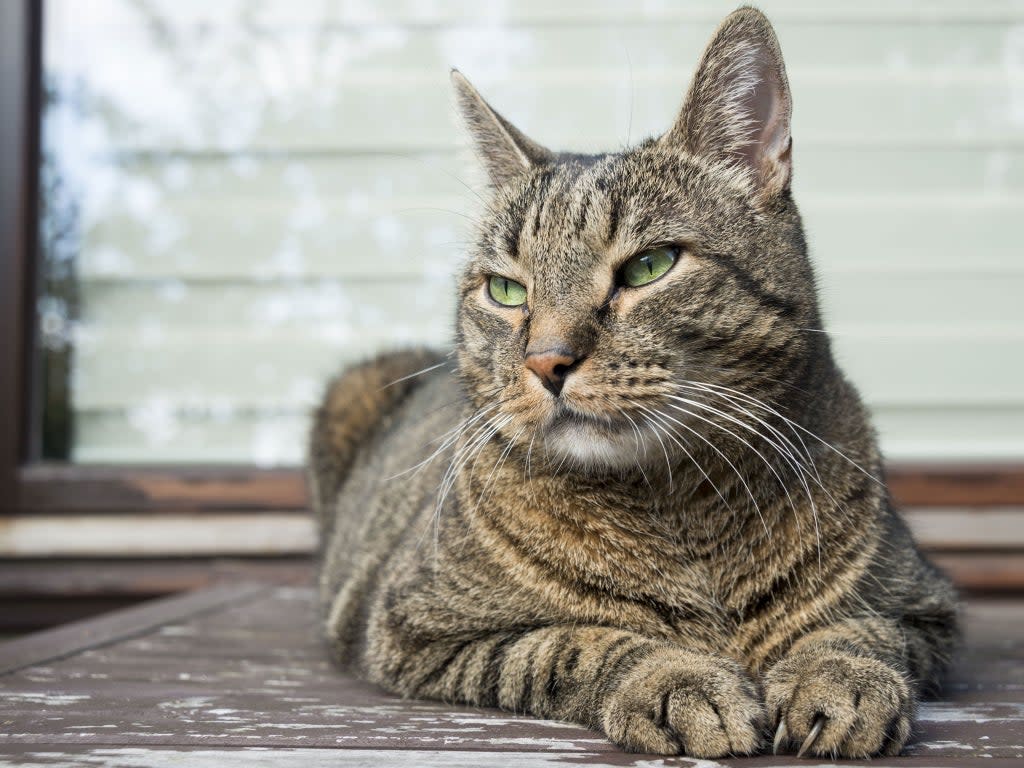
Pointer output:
x,y
54,699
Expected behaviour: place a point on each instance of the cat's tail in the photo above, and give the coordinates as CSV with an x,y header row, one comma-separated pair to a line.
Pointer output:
x,y
353,409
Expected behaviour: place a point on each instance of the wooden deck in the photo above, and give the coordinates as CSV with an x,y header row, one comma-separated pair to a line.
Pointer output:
x,y
234,676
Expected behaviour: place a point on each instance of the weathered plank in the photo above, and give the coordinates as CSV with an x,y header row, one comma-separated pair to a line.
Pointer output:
x,y
111,628
255,757
206,678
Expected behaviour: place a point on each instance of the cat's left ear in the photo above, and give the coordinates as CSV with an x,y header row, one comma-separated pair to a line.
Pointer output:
x,y
738,108
505,152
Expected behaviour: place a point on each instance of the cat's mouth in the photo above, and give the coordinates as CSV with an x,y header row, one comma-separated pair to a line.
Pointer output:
x,y
566,417
593,439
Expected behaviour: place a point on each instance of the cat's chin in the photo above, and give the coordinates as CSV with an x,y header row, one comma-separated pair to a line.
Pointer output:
x,y
591,444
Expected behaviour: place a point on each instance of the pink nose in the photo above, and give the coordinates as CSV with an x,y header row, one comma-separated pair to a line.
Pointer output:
x,y
552,367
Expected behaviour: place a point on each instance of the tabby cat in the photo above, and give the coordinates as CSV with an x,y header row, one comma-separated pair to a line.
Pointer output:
x,y
639,495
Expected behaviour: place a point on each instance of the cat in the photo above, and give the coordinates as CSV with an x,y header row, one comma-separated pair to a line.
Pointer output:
x,y
639,495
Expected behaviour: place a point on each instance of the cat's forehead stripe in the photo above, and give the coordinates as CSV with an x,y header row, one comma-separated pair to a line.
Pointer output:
x,y
566,201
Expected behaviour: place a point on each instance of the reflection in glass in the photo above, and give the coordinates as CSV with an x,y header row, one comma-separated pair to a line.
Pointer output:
x,y
223,225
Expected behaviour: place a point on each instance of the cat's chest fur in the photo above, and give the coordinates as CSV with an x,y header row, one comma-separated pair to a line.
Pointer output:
x,y
631,553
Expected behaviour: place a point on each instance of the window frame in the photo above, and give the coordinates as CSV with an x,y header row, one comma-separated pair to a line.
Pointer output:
x,y
29,486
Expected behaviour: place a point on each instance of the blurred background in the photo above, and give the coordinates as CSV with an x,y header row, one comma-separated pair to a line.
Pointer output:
x,y
233,199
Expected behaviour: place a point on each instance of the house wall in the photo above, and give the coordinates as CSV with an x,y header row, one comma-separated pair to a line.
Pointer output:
x,y
259,194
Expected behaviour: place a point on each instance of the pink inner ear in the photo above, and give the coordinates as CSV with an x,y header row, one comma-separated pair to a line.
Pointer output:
x,y
768,148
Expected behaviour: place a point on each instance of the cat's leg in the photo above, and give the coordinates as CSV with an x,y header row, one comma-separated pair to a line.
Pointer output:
x,y
850,689
646,695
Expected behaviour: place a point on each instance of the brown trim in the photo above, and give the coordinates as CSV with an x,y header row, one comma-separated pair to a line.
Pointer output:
x,y
949,485
20,40
983,571
65,488
56,488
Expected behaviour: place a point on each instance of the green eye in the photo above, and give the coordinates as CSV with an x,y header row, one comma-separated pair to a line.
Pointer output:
x,y
507,292
648,266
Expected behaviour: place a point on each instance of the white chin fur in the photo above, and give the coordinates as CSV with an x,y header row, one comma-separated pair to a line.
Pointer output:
x,y
591,447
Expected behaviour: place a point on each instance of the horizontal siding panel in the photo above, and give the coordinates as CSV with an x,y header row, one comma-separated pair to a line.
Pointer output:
x,y
299,309
221,370
643,43
868,303
273,438
940,368
970,433
918,110
342,236
227,182
914,300
837,171
263,439
267,368
278,239
416,12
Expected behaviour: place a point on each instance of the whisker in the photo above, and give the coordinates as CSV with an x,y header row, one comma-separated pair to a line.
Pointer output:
x,y
791,448
796,425
794,463
639,439
471,452
428,369
797,465
477,440
794,459
676,439
450,438
668,465
726,459
728,431
498,464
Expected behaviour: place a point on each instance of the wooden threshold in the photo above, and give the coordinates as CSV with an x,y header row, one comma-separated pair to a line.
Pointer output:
x,y
294,533
190,534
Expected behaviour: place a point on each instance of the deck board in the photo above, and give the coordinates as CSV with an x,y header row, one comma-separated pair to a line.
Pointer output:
x,y
236,676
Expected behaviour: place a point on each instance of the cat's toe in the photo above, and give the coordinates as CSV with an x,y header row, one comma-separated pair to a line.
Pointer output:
x,y
844,706
698,707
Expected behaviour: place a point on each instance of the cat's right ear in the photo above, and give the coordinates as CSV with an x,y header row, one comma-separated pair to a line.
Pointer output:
x,y
505,152
738,107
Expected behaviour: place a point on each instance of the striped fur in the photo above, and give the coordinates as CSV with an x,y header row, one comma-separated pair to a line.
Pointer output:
x,y
693,542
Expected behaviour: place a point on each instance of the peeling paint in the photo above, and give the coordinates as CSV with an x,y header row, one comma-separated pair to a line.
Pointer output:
x,y
945,712
941,745
55,699
250,757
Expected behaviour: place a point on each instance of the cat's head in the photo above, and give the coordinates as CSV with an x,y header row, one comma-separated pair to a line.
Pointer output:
x,y
603,292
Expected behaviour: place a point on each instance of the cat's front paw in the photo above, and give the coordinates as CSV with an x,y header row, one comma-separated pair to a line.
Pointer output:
x,y
840,705
677,702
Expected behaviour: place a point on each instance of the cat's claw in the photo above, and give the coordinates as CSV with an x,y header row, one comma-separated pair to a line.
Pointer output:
x,y
819,723
781,735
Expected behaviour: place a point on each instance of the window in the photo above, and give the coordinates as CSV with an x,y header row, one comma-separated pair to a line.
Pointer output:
x,y
210,207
